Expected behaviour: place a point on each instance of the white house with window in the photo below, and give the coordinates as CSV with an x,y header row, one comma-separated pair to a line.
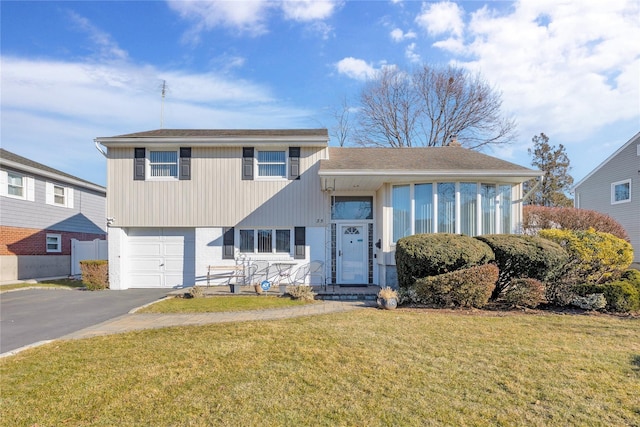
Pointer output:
x,y
613,188
180,201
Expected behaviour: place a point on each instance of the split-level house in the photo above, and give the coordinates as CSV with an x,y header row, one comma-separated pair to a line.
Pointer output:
x,y
613,188
179,201
42,210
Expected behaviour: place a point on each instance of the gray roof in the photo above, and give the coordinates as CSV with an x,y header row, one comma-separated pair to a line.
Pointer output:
x,y
225,133
415,159
7,156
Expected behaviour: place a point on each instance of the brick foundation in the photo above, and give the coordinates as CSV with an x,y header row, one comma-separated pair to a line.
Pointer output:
x,y
29,241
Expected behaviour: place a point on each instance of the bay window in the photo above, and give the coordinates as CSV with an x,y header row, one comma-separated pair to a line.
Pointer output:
x,y
469,208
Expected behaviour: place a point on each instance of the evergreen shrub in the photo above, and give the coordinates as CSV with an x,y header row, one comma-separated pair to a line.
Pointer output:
x,y
594,257
622,295
424,255
519,256
525,292
95,274
469,287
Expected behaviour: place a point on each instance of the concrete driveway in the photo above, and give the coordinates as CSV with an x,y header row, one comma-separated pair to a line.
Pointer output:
x,y
33,315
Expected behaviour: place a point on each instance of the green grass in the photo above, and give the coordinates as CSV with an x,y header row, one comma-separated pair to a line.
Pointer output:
x,y
362,368
58,283
219,304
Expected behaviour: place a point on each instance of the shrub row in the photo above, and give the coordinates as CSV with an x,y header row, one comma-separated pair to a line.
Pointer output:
x,y
424,255
622,295
536,218
469,287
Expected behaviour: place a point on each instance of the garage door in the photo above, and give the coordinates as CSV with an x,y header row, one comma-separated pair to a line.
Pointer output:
x,y
161,257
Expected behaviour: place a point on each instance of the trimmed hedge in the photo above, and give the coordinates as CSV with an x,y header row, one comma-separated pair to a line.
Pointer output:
x,y
595,257
622,295
536,218
469,287
424,255
95,274
525,292
520,256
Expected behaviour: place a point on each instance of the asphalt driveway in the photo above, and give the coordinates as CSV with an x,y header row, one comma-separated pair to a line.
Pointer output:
x,y
33,315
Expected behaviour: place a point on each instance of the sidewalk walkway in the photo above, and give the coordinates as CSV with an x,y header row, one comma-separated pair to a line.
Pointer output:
x,y
133,321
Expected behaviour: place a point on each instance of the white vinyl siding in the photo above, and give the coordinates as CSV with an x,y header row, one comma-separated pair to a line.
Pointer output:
x,y
215,195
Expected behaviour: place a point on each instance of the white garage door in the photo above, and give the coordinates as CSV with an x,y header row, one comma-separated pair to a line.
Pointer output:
x,y
161,257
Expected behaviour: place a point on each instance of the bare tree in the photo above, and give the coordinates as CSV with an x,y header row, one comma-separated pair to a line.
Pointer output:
x,y
342,116
429,106
389,110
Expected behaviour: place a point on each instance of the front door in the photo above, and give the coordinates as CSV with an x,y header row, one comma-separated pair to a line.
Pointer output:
x,y
352,254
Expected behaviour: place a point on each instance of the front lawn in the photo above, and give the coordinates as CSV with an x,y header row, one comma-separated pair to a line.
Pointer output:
x,y
57,283
220,303
365,367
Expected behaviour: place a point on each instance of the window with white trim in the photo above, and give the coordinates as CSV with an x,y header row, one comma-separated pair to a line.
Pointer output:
x,y
621,192
468,208
265,241
16,184
163,164
54,243
272,164
59,195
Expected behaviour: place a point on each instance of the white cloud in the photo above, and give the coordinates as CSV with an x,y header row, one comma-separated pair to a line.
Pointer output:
x,y
411,54
441,18
308,10
251,17
397,35
106,48
355,68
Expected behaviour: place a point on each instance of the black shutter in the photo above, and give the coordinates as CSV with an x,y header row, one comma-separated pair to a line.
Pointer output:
x,y
294,162
184,165
299,241
247,163
139,155
227,242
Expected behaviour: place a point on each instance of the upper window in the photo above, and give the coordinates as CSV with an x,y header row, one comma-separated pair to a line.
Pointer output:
x,y
272,164
621,192
16,185
163,164
59,195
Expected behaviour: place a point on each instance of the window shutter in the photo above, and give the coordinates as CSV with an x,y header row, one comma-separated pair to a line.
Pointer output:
x,y
31,192
138,164
227,242
185,163
68,197
294,162
247,163
4,183
49,193
299,241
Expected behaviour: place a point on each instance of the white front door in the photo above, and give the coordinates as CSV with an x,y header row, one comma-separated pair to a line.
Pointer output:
x,y
352,254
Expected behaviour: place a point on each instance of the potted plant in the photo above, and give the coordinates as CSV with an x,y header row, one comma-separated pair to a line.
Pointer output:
x,y
387,298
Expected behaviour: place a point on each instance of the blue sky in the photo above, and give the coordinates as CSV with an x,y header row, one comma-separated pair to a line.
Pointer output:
x,y
73,71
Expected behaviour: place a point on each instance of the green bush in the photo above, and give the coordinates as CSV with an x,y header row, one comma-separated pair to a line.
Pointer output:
x,y
525,292
95,274
520,256
594,257
469,287
424,255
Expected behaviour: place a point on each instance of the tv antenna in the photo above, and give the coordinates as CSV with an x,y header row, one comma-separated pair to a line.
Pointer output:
x,y
164,89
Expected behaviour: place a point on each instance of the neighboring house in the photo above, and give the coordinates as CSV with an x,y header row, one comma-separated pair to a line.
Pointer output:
x,y
613,188
181,200
41,210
